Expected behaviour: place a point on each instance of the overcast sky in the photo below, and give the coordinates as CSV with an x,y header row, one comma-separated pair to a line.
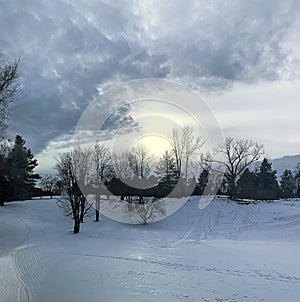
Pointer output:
x,y
241,56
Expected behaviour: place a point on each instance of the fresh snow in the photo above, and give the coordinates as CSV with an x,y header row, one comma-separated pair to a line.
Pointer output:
x,y
224,252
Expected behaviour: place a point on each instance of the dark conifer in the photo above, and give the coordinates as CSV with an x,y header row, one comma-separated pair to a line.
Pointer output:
x,y
21,164
267,186
287,184
246,185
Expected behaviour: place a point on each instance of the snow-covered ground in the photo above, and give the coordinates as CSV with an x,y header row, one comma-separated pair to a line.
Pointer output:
x,y
225,252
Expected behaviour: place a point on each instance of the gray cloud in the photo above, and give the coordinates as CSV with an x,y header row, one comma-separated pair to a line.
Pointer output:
x,y
71,48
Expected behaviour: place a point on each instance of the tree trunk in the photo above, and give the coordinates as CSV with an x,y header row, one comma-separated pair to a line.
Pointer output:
x,y
97,207
232,186
76,225
82,209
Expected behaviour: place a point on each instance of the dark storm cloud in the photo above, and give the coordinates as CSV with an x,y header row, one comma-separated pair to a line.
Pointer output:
x,y
71,48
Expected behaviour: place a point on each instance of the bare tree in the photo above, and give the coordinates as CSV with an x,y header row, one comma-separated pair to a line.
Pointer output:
x,y
82,159
5,190
140,161
297,179
8,88
235,157
5,147
82,165
48,184
71,174
101,166
148,210
72,192
120,165
176,141
184,145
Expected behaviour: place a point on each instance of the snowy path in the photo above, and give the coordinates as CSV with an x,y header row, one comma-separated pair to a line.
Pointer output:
x,y
226,252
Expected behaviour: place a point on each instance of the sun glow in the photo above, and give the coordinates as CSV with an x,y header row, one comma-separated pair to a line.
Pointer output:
x,y
156,144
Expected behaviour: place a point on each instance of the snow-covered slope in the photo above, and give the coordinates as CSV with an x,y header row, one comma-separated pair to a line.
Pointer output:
x,y
225,252
285,162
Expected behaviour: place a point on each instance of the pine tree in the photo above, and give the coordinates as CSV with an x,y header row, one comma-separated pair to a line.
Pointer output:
x,y
224,187
267,186
21,165
202,182
167,174
287,184
246,185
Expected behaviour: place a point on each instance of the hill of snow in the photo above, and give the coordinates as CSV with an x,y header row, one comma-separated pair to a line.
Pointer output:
x,y
225,252
285,162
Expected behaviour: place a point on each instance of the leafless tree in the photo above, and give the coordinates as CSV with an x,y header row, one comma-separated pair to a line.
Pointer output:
x,y
120,164
8,87
72,192
235,157
133,166
5,147
48,184
148,210
101,166
297,179
140,160
184,144
82,159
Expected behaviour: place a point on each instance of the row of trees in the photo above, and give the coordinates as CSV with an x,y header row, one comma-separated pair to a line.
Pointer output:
x,y
236,163
131,174
134,176
262,183
17,163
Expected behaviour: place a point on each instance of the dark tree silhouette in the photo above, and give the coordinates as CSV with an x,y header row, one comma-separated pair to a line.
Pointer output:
x,y
297,179
202,182
246,185
21,164
102,167
234,157
49,184
5,186
267,185
75,200
167,174
287,184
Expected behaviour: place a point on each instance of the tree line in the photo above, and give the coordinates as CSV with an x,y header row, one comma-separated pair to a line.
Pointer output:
x,y
134,175
234,169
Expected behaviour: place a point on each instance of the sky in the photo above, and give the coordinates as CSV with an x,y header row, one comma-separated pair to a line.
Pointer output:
x,y
241,57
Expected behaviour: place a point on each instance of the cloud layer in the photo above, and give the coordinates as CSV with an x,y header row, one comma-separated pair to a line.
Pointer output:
x,y
71,50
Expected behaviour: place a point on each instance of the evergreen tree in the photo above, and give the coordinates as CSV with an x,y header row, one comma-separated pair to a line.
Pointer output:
x,y
267,186
21,164
167,174
287,184
202,182
224,187
246,185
